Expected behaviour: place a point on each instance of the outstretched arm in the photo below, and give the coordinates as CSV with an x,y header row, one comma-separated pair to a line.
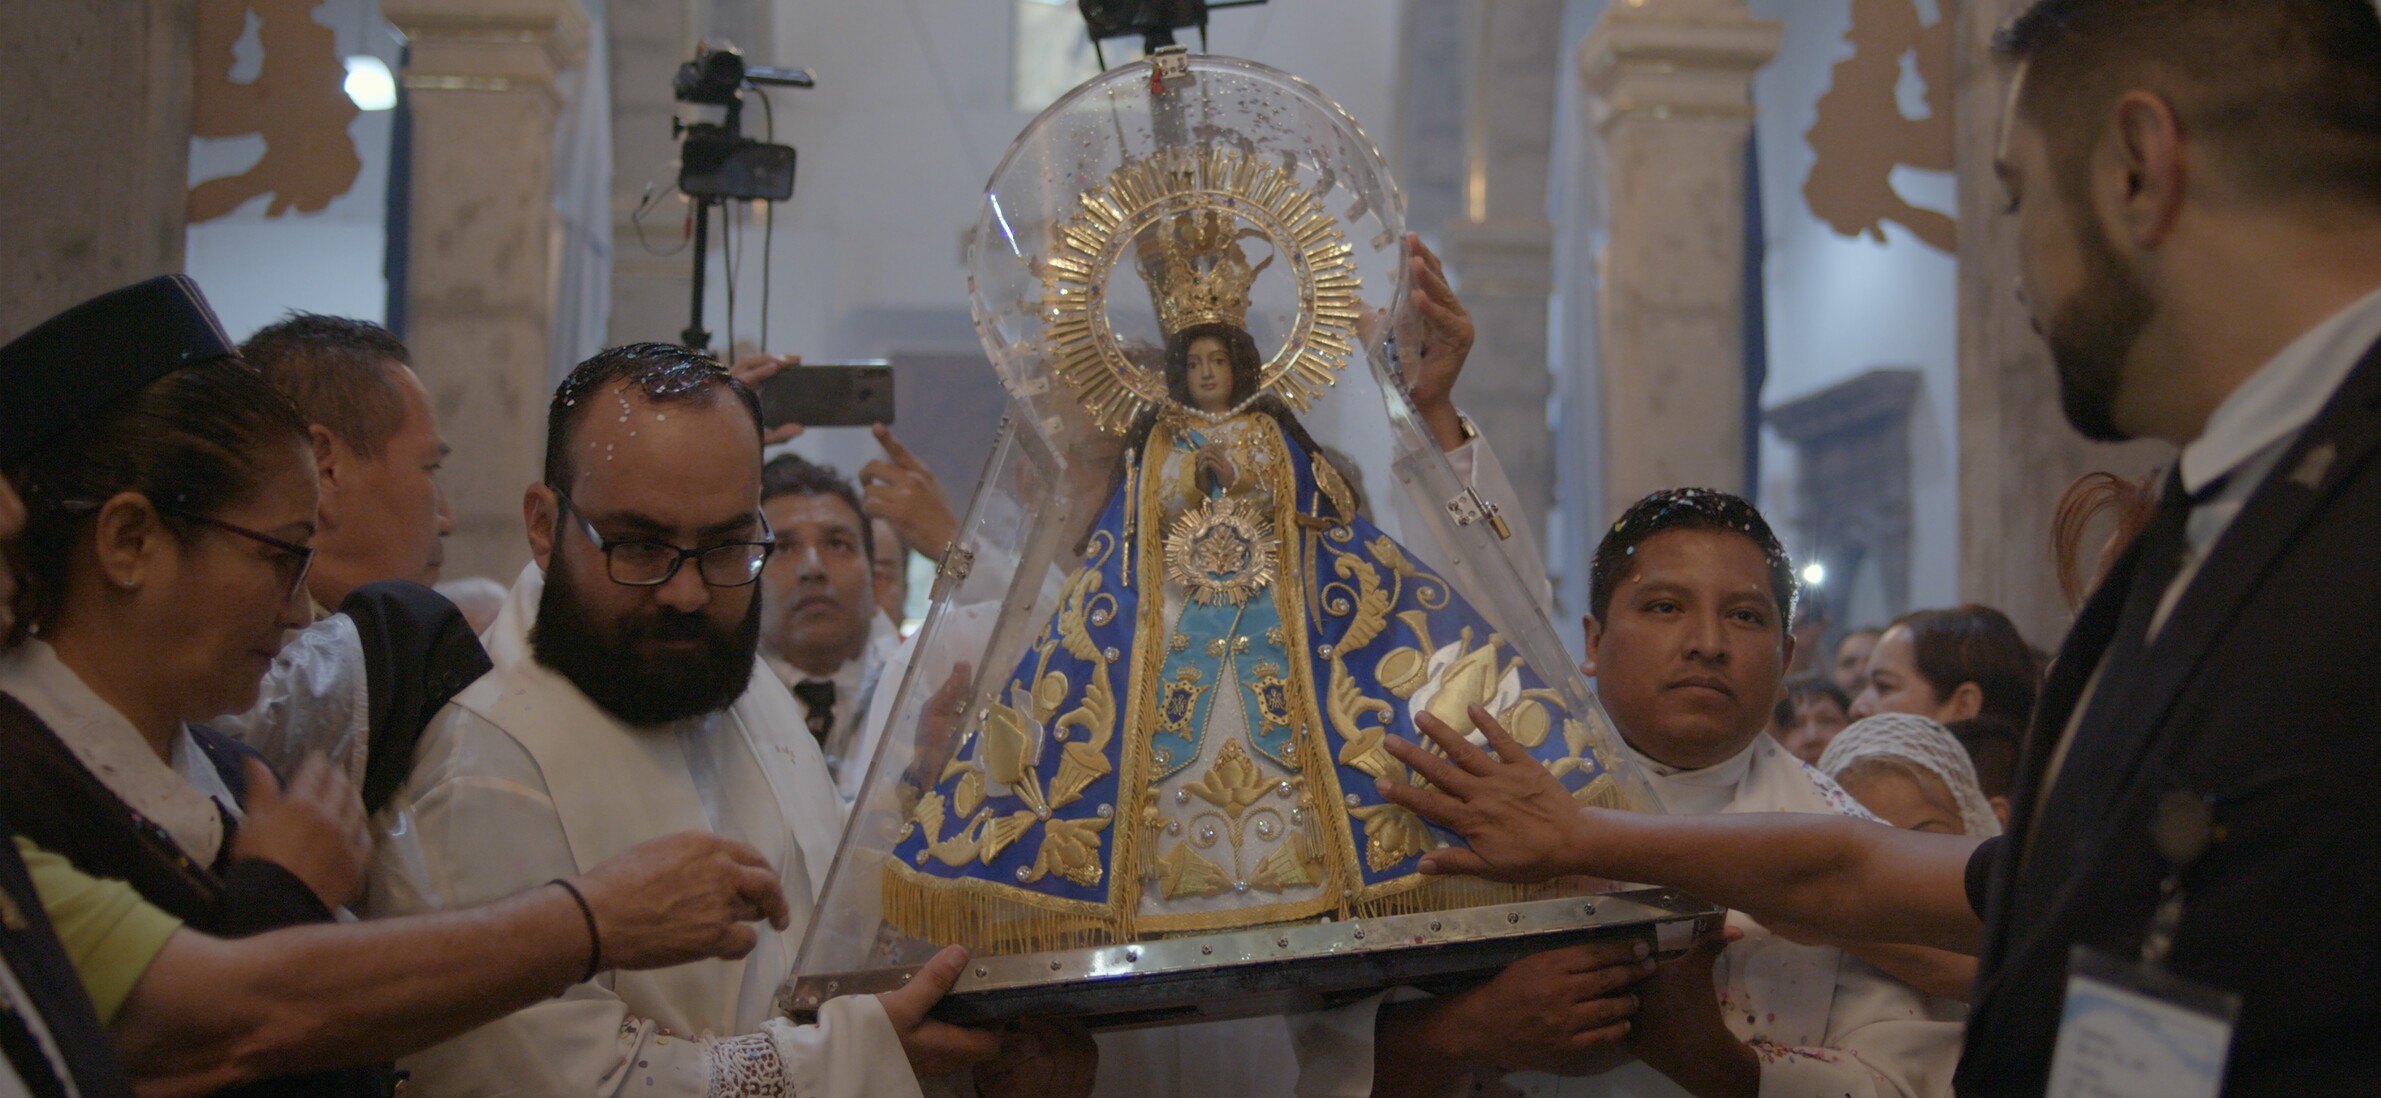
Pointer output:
x,y
1828,876
211,1012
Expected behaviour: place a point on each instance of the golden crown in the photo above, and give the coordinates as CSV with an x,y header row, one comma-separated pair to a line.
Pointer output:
x,y
1196,270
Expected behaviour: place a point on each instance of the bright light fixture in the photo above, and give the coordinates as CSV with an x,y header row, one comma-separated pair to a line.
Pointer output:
x,y
1814,573
369,83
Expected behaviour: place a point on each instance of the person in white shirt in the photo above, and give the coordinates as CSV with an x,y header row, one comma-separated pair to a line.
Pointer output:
x,y
821,631
627,701
1687,641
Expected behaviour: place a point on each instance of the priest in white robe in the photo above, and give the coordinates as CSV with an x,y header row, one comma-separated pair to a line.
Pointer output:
x,y
626,702
1687,644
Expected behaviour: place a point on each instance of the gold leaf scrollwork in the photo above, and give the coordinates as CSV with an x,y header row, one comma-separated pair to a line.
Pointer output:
x,y
1233,783
1391,835
1185,872
1071,849
1371,610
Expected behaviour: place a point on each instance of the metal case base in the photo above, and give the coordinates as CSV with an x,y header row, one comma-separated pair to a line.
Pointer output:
x,y
1276,970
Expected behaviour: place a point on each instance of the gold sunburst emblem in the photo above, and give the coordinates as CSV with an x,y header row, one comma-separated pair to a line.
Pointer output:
x,y
1208,183
1222,552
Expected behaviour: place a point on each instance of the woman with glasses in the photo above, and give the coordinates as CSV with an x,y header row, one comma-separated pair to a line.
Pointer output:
x,y
169,492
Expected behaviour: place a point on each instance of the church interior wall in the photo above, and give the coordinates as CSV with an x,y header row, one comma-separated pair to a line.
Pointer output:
x,y
257,266
1839,306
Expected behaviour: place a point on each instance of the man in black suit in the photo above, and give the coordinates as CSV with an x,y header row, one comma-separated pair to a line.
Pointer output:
x,y
2197,185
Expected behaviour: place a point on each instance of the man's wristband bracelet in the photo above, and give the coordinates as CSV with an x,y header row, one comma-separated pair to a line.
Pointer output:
x,y
595,942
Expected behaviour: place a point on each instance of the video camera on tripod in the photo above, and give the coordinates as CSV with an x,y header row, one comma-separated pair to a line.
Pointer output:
x,y
716,162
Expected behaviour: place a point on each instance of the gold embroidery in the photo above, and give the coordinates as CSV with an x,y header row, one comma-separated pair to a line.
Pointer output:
x,y
970,794
1221,553
1361,745
1001,831
1071,849
1402,671
1293,864
1527,723
1232,784
1391,835
1185,872
1470,680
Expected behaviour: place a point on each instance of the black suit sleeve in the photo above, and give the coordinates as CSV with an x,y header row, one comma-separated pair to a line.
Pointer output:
x,y
1979,876
419,652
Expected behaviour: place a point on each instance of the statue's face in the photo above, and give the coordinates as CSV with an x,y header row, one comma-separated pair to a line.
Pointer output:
x,y
1208,374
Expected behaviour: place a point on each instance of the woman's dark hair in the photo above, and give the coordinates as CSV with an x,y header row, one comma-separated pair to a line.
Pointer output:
x,y
1978,644
1992,745
194,442
1800,689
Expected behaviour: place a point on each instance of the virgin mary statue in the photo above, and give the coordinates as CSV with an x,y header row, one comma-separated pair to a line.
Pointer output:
x,y
1191,741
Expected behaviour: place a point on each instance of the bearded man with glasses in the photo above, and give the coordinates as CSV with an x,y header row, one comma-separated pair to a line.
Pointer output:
x,y
627,702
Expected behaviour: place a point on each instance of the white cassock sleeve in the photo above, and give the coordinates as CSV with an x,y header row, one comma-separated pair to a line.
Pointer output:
x,y
316,697
476,824
1882,1042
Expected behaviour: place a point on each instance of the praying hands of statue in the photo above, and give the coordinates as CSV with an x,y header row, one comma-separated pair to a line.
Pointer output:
x,y
1214,472
754,369
1520,823
314,828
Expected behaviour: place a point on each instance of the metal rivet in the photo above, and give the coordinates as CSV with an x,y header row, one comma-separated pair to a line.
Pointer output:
x,y
982,972
1513,917
1206,950
1359,935
1133,954
1053,966
1282,942
1434,925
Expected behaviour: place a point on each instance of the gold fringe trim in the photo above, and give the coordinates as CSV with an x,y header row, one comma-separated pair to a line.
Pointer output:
x,y
989,919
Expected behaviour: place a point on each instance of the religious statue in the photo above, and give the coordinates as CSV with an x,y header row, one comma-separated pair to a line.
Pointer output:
x,y
1191,741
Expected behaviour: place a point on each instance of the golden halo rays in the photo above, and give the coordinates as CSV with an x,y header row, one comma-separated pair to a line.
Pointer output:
x,y
1109,216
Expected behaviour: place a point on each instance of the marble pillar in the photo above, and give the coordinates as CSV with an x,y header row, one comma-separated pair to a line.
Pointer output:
x,y
1499,246
2016,452
479,296
95,169
1670,103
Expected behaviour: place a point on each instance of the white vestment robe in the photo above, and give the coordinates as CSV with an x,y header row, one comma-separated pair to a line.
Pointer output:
x,y
522,779
1822,1022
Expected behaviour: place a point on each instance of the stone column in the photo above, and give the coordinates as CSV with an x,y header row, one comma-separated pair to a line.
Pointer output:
x,y
1670,88
94,171
1499,248
2016,452
649,291
479,296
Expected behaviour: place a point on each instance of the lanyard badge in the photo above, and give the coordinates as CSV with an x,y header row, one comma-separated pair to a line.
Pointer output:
x,y
2133,1029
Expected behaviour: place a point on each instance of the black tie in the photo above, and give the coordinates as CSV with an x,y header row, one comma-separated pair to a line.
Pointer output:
x,y
818,699
2158,558
2164,548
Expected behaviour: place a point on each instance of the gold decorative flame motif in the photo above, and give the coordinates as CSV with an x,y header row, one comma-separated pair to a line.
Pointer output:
x,y
1219,187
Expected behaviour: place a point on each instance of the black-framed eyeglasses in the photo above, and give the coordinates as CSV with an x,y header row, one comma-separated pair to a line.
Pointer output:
x,y
646,562
291,561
